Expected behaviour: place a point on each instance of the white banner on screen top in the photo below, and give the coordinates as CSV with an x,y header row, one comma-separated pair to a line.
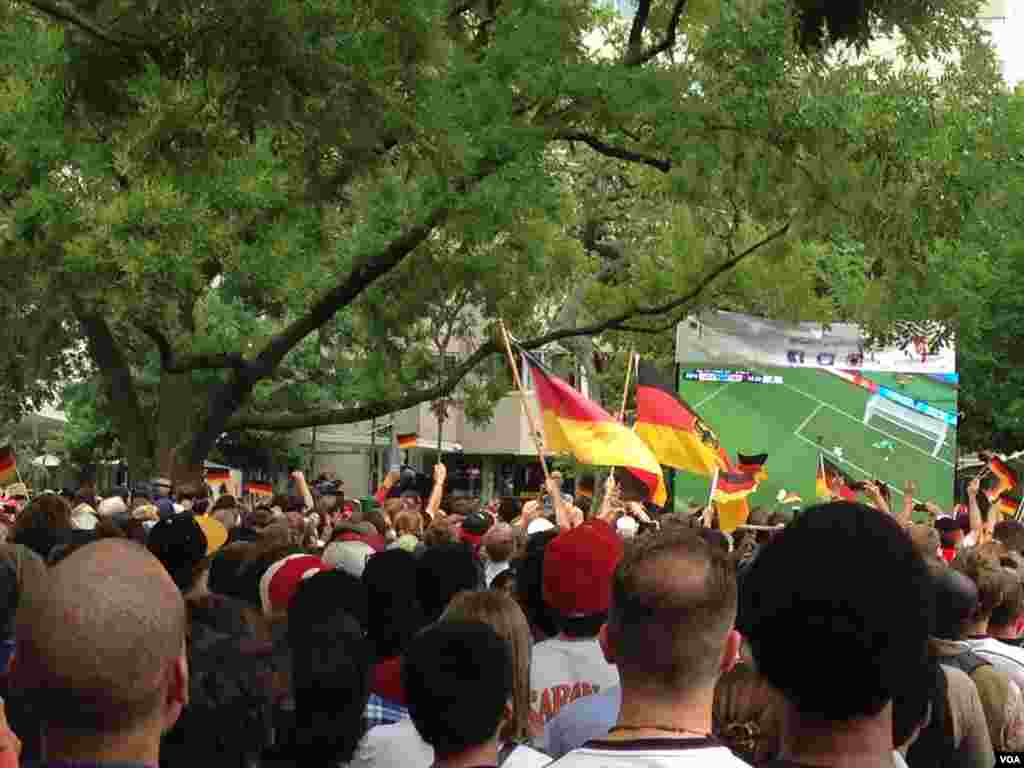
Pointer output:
x,y
731,339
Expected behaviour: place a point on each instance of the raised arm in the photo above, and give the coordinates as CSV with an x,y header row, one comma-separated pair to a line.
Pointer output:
x,y
874,494
973,510
390,479
434,502
303,488
906,517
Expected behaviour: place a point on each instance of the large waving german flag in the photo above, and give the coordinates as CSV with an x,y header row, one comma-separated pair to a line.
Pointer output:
x,y
8,465
673,430
573,424
1006,478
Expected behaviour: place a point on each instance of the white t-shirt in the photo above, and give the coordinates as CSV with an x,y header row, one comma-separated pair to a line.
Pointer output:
x,y
1008,659
493,569
400,745
563,670
652,753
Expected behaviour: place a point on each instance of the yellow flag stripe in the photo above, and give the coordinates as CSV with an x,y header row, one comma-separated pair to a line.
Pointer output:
x,y
732,514
679,449
602,443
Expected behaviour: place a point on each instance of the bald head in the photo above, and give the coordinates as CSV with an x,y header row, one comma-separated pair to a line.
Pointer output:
x,y
98,651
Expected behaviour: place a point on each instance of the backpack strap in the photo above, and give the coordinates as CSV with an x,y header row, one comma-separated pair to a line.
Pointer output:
x,y
968,661
935,746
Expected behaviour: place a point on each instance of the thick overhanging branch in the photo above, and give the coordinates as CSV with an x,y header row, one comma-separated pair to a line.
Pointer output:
x,y
610,150
170,362
620,322
636,55
233,394
64,12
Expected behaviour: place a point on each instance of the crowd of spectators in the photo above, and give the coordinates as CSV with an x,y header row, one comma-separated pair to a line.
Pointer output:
x,y
181,627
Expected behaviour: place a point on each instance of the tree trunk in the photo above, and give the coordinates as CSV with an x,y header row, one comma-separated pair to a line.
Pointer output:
x,y
133,429
176,425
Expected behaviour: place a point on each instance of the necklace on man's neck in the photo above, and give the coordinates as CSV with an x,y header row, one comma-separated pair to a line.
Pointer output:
x,y
664,728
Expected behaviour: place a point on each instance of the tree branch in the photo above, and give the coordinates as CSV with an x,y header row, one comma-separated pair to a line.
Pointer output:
x,y
229,397
207,361
172,363
61,12
610,150
162,343
364,412
637,57
636,31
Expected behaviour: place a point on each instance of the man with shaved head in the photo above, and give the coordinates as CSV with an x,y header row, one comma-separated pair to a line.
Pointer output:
x,y
671,634
101,655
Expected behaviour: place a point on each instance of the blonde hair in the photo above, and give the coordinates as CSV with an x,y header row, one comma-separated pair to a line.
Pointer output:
x,y
503,614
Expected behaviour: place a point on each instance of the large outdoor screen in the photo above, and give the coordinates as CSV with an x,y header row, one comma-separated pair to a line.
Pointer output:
x,y
792,391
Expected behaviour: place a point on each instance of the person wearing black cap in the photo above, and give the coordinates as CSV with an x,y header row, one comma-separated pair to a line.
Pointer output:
x,y
180,544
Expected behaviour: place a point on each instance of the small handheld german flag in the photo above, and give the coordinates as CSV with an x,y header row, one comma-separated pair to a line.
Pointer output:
x,y
730,494
263,490
753,465
217,476
1009,505
408,440
828,473
8,465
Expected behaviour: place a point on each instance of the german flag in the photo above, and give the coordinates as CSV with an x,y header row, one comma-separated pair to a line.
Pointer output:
x,y
407,441
828,473
752,465
8,465
1009,505
265,490
573,424
734,485
730,496
1006,478
673,430
217,476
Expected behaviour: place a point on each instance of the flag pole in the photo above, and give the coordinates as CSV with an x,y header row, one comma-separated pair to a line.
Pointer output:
x,y
708,514
526,409
633,357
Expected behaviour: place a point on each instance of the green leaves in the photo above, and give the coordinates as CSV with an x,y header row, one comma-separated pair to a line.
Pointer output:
x,y
202,175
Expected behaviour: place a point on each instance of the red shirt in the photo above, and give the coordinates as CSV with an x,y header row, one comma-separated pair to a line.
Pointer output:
x,y
386,680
